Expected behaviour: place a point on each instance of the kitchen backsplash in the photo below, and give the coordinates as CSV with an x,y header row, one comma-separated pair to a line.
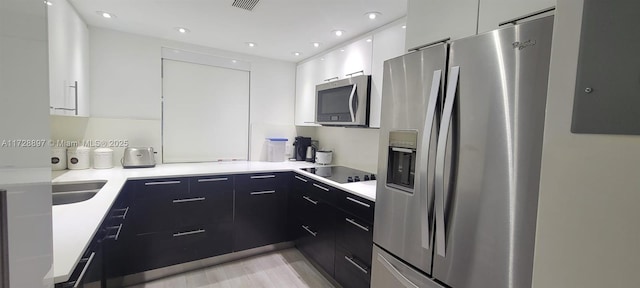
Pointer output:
x,y
353,147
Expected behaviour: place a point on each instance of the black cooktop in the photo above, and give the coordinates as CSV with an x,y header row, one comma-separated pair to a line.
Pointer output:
x,y
341,174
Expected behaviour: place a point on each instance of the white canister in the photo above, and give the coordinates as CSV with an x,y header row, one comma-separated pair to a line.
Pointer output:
x,y
103,158
78,157
324,157
58,158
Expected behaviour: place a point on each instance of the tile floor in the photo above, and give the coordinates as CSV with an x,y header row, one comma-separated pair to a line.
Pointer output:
x,y
280,269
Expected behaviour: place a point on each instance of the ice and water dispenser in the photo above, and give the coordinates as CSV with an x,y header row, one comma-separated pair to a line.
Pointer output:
x,y
402,159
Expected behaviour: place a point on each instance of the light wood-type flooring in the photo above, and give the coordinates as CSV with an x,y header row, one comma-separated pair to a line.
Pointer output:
x,y
280,269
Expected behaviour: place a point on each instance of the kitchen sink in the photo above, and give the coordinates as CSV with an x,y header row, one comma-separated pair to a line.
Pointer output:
x,y
73,192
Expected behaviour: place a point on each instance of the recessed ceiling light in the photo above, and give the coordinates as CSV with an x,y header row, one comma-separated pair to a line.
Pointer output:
x,y
321,59
338,32
251,44
296,53
404,26
373,15
48,3
316,44
369,40
341,50
106,14
183,30
234,61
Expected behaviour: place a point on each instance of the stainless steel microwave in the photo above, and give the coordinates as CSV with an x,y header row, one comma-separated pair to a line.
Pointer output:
x,y
344,102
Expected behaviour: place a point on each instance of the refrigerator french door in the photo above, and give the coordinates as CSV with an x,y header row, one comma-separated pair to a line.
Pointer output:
x,y
463,213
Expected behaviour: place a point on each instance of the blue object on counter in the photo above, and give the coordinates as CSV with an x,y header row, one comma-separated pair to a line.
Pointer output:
x,y
278,139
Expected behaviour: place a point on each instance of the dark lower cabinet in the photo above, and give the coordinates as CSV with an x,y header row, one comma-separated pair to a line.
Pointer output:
x,y
156,223
351,271
165,248
260,210
334,229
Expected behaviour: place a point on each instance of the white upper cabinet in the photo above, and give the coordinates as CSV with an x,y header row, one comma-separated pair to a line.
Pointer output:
x,y
308,75
68,60
339,62
433,20
387,44
493,12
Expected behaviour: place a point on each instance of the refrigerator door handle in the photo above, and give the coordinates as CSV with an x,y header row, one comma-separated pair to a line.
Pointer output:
x,y
424,155
441,152
351,108
394,271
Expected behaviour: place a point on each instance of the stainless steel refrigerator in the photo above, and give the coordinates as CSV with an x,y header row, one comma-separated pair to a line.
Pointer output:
x,y
459,161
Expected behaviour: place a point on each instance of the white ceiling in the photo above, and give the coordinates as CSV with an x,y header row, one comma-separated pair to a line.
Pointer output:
x,y
278,27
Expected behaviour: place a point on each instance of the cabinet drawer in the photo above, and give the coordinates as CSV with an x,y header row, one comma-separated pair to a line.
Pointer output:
x,y
350,271
260,181
316,243
260,218
311,209
355,235
159,214
317,190
358,206
161,188
160,249
207,185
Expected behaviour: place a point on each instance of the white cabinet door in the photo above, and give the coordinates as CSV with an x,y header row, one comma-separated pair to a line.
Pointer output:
x,y
348,59
432,20
68,60
308,75
493,12
387,44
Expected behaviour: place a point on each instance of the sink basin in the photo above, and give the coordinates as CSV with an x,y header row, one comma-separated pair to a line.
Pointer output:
x,y
73,192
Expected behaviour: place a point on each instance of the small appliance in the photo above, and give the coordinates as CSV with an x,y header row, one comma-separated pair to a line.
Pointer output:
x,y
344,102
301,144
138,157
324,157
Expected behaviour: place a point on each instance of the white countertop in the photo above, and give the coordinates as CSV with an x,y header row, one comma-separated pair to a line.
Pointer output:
x,y
74,225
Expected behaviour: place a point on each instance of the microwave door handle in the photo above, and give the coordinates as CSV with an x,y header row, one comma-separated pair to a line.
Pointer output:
x,y
351,108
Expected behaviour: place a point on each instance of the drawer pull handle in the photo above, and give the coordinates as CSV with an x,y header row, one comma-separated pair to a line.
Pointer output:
x,y
189,233
309,199
358,202
309,230
212,179
84,270
263,192
117,235
162,183
365,228
323,188
263,176
350,260
124,215
302,179
189,200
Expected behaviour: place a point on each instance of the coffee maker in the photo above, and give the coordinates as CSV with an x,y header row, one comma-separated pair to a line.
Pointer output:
x,y
300,147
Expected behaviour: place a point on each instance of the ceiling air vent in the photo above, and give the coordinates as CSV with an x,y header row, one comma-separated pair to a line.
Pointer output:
x,y
245,4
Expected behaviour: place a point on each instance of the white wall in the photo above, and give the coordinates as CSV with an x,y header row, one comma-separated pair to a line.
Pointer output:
x,y
24,171
127,86
588,233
